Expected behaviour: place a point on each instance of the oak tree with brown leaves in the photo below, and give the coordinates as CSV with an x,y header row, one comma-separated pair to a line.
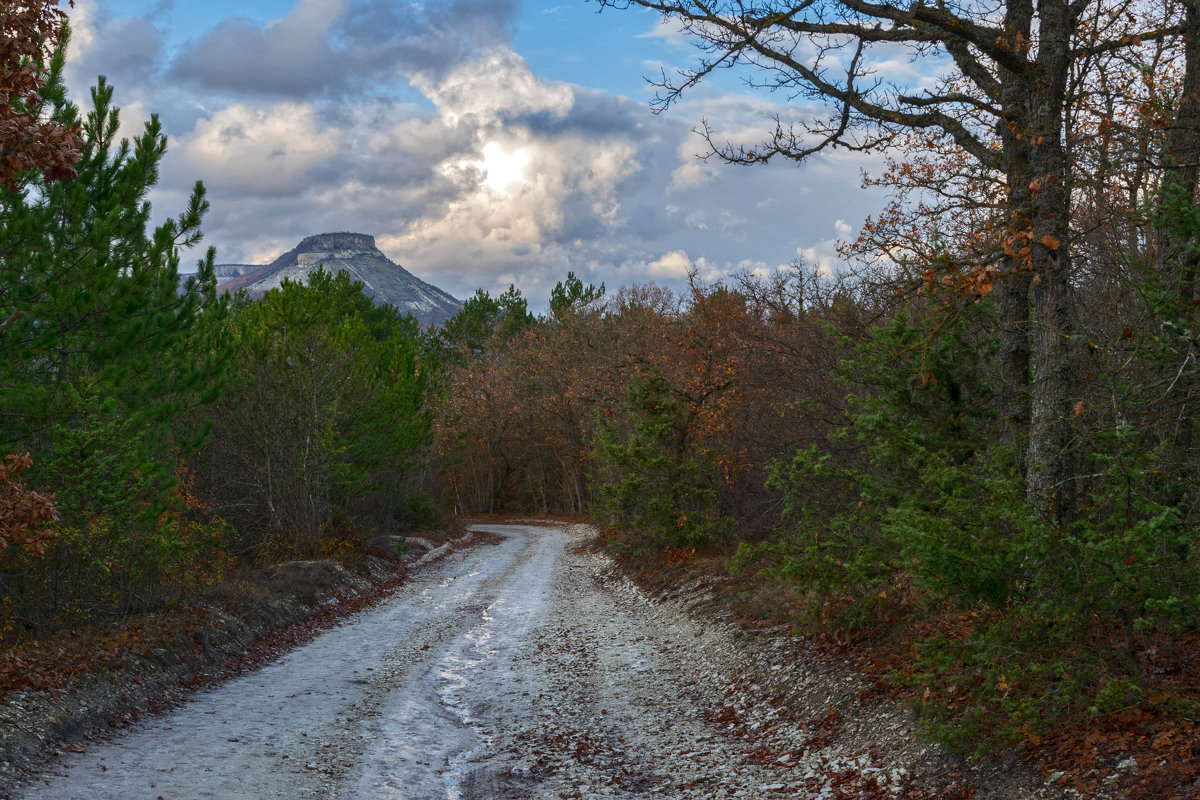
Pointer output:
x,y
24,512
1002,99
31,34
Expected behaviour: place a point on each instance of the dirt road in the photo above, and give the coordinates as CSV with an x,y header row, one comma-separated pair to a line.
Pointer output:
x,y
527,668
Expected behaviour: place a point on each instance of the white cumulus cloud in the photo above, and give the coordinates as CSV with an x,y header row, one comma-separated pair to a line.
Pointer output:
x,y
497,86
258,150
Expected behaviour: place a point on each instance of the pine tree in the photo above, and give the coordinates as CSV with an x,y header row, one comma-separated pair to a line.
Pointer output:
x,y
327,407
98,331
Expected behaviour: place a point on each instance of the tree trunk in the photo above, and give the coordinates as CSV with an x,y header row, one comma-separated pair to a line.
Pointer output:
x,y
1050,470
1013,290
1050,479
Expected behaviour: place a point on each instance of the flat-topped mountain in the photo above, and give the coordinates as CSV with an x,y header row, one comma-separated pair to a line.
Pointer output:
x,y
383,279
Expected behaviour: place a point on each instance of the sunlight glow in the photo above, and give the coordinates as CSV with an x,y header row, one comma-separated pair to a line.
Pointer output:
x,y
504,168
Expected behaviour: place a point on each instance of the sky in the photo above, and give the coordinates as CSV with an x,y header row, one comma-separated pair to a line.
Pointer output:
x,y
482,142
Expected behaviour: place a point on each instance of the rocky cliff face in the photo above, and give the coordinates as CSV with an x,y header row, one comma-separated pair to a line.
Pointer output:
x,y
383,279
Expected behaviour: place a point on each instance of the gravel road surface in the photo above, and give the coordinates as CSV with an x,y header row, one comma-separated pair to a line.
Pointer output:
x,y
528,668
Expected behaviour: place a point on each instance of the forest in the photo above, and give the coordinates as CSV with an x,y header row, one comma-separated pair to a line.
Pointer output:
x,y
967,459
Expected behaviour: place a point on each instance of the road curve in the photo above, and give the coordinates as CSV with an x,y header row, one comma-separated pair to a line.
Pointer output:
x,y
523,669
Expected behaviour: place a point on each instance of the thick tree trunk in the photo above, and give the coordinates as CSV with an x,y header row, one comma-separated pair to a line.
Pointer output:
x,y
1013,296
1013,289
1050,469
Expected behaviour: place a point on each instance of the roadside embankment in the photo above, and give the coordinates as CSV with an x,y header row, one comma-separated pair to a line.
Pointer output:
x,y
55,693
847,709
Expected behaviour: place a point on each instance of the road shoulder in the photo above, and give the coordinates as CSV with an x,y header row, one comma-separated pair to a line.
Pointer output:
x,y
189,651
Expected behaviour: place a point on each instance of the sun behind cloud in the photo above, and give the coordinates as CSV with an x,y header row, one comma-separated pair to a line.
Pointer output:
x,y
454,142
505,169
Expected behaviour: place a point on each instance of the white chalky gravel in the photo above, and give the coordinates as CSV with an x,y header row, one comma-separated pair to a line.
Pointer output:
x,y
521,670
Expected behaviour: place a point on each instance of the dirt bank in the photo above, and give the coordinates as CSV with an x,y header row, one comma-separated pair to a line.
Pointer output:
x,y
58,694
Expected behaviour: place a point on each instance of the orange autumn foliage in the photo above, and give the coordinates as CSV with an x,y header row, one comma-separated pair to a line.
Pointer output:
x,y
31,34
24,513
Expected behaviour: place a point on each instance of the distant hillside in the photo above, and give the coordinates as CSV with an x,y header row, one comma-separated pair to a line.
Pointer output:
x,y
385,280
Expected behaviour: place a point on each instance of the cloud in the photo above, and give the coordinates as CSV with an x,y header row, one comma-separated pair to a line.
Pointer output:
x,y
539,182
692,172
327,46
83,31
495,88
674,264
123,50
823,255
522,201
667,29
596,114
425,128
677,265
429,39
292,56
258,151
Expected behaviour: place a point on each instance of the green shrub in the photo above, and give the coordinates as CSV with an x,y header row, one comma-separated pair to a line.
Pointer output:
x,y
655,482
421,513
